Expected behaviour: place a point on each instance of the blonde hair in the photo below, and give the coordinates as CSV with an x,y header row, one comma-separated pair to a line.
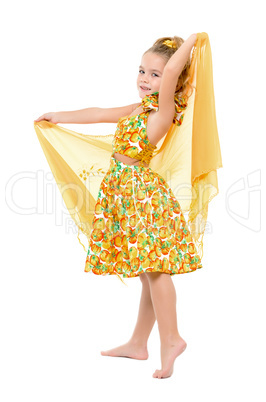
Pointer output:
x,y
166,47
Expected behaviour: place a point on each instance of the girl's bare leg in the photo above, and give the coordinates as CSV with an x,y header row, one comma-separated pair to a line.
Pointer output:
x,y
136,347
163,296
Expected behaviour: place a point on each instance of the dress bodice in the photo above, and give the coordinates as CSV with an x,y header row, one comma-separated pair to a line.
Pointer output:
x,y
131,138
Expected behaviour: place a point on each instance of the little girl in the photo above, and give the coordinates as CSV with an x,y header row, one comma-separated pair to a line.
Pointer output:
x,y
138,227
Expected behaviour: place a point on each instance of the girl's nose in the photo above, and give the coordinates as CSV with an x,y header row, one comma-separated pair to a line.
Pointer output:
x,y
144,78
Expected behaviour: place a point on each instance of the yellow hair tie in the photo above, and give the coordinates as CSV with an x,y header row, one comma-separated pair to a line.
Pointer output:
x,y
169,43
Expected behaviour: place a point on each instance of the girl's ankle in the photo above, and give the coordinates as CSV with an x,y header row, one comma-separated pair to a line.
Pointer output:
x,y
138,343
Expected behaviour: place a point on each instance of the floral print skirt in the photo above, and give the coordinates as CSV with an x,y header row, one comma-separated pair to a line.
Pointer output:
x,y
138,226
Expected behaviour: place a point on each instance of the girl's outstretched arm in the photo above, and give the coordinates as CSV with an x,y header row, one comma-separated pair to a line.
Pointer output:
x,y
171,72
89,115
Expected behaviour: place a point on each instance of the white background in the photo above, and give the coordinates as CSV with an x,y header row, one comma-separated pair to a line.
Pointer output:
x,y
55,318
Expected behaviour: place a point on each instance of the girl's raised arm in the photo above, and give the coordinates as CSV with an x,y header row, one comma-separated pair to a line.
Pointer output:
x,y
171,72
89,115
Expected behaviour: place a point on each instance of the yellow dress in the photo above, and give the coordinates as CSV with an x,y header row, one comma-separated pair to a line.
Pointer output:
x,y
132,215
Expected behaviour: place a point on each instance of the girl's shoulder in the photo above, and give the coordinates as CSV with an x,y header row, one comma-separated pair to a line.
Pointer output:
x,y
137,110
112,115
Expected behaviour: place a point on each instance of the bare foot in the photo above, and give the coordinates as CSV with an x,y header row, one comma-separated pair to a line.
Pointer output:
x,y
169,352
130,350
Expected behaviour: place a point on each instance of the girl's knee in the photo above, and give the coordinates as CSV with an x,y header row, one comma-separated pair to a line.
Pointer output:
x,y
143,277
155,275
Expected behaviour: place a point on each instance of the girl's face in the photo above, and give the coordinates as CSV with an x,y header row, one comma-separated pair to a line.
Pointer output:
x,y
150,74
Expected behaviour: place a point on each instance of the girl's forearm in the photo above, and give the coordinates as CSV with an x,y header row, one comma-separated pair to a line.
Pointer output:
x,y
82,116
177,62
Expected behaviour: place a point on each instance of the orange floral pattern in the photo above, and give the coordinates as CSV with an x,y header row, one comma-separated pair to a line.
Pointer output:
x,y
138,226
131,138
151,101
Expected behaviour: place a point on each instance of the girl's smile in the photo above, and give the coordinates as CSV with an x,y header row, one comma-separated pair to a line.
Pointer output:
x,y
144,88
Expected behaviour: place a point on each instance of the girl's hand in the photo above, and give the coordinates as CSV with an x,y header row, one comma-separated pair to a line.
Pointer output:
x,y
194,38
52,117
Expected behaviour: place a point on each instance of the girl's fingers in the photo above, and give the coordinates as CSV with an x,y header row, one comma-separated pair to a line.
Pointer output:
x,y
43,117
39,118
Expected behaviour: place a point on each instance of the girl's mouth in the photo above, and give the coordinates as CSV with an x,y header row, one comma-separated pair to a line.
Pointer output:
x,y
144,88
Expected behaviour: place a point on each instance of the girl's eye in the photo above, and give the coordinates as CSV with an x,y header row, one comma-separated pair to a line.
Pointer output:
x,y
156,75
141,71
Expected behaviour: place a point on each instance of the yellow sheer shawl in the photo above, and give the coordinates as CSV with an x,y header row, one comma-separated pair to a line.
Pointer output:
x,y
188,156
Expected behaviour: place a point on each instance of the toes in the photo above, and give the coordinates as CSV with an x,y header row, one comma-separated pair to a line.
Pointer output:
x,y
156,374
162,374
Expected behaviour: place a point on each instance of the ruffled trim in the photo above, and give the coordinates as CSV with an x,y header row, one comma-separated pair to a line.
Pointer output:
x,y
151,102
